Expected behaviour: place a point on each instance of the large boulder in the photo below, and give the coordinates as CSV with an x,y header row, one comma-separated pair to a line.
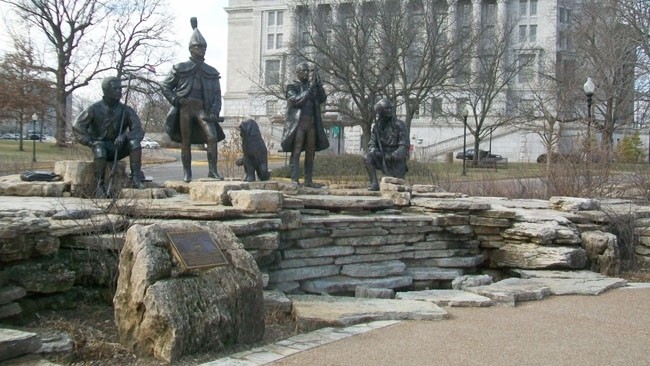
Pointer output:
x,y
602,251
164,311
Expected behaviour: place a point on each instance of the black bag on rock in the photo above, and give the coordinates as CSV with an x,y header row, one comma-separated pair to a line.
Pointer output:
x,y
40,176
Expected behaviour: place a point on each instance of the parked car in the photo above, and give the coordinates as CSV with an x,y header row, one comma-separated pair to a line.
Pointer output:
x,y
560,158
148,143
33,136
469,154
10,136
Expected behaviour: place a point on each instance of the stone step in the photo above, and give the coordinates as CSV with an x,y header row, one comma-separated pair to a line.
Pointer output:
x,y
15,343
313,311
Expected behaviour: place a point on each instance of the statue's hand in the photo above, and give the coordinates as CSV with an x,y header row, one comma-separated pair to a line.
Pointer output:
x,y
378,154
120,140
182,101
212,117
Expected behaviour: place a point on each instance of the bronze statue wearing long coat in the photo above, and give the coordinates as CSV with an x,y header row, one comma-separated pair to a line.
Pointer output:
x,y
296,97
303,129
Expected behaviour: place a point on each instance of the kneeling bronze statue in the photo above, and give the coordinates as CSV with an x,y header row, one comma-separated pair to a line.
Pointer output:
x,y
388,145
113,131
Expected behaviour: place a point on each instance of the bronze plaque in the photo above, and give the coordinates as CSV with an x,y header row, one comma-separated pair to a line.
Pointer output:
x,y
196,249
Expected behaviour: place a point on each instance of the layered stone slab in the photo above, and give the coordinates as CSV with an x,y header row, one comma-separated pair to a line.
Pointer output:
x,y
171,209
450,204
342,284
313,311
573,282
80,175
347,203
532,256
451,298
510,291
12,185
14,343
256,200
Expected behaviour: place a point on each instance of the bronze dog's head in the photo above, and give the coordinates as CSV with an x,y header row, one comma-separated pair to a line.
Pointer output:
x,y
249,128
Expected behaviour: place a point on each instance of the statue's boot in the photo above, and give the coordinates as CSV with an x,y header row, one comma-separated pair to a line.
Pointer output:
x,y
294,163
186,159
99,165
372,173
309,170
135,162
212,163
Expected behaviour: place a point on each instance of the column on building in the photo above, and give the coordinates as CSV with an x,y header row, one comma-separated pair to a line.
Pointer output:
x,y
476,27
452,31
502,24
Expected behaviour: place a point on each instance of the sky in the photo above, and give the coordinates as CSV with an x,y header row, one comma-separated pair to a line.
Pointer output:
x,y
212,23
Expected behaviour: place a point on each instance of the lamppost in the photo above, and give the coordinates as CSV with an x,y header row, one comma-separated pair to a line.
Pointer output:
x,y
31,136
589,88
465,114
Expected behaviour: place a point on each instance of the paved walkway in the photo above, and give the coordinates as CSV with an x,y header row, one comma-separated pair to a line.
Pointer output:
x,y
610,329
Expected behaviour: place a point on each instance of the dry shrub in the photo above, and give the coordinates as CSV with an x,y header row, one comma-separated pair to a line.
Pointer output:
x,y
588,177
229,151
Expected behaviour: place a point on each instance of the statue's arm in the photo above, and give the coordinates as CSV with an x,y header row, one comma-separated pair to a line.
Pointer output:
x,y
169,88
136,132
403,145
372,142
295,97
80,127
216,106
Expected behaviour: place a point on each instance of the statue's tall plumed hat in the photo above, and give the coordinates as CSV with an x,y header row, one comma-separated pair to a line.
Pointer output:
x,y
197,38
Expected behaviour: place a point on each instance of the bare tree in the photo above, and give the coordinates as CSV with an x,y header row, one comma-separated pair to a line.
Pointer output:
x,y
92,37
66,25
25,89
368,50
142,30
495,70
636,15
426,51
607,48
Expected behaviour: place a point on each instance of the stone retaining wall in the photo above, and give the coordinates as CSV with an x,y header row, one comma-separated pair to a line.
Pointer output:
x,y
313,243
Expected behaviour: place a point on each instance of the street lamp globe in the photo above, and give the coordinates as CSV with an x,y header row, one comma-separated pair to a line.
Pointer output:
x,y
589,88
31,136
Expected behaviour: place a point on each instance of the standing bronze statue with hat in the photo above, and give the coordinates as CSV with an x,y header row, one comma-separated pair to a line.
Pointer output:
x,y
194,91
303,129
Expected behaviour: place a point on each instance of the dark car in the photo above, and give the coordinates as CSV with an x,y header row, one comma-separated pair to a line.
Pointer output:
x,y
560,158
469,154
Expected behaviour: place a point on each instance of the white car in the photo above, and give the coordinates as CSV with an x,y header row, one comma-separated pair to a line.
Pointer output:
x,y
148,143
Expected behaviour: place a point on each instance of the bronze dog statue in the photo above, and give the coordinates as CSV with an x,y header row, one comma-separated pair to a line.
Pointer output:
x,y
255,158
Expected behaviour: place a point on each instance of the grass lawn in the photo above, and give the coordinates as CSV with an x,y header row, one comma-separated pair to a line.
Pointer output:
x,y
13,160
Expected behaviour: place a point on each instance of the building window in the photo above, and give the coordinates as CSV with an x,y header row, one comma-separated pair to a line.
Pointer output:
x,y
522,33
272,72
274,30
436,107
523,7
414,104
526,68
271,107
461,104
533,8
532,34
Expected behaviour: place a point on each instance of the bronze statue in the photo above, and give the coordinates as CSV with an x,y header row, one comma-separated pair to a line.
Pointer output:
x,y
256,157
194,91
303,129
388,145
112,130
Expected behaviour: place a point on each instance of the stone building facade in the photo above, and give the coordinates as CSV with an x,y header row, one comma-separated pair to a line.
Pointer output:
x,y
259,32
